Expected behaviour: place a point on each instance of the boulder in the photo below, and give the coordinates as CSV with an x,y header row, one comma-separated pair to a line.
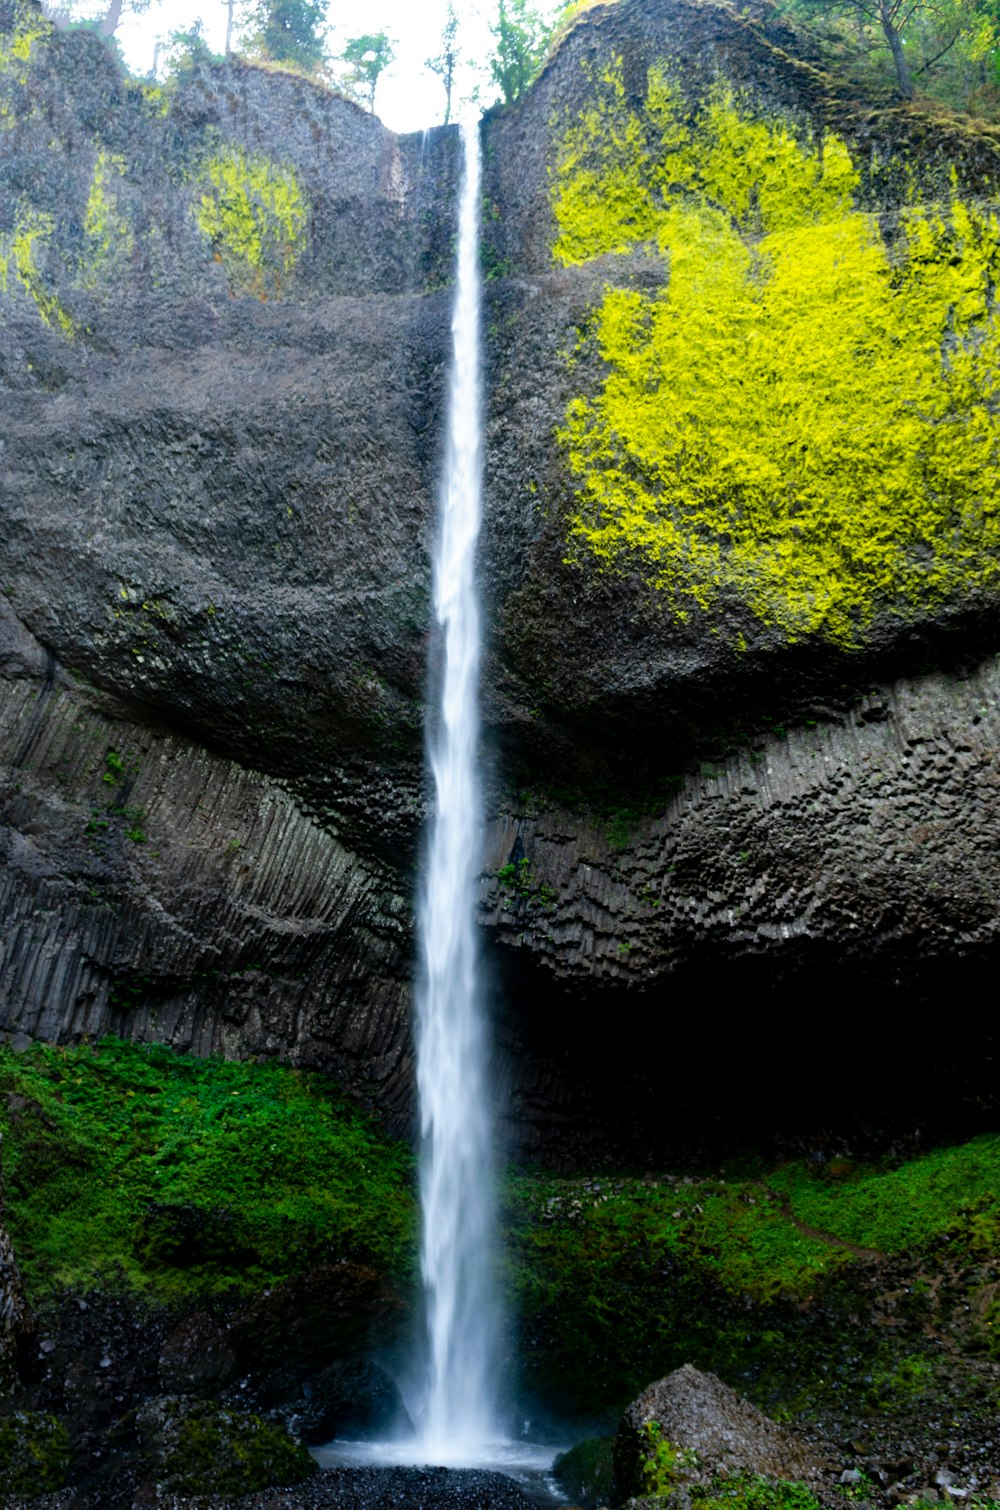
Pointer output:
x,y
355,1398
197,1358
195,1447
292,1332
715,1431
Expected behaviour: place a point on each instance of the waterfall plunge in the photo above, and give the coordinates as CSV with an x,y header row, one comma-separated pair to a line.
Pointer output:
x,y
456,1176
459,1425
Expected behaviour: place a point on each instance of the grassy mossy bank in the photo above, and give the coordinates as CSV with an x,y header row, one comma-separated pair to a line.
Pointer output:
x,y
180,1176
811,1287
821,1289
802,422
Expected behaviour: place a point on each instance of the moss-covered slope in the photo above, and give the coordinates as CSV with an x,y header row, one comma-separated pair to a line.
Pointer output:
x,y
179,1177
852,1299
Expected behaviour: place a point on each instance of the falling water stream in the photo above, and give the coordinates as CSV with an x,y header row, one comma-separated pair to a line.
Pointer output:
x,y
456,1172
459,1419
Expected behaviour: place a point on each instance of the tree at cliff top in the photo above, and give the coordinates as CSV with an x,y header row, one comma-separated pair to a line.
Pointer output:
x,y
367,58
446,61
287,31
943,47
521,37
108,19
114,12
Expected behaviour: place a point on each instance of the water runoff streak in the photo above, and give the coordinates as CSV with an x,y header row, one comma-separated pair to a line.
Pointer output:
x,y
456,1175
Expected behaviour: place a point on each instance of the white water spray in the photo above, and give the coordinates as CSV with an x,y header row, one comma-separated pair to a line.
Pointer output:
x,y
456,1176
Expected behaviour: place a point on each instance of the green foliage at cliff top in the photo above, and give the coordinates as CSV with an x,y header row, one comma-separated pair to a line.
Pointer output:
x,y
187,1175
799,422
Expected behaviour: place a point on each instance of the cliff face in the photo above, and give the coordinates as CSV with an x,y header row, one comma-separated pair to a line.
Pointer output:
x,y
223,347
734,459
743,559
740,715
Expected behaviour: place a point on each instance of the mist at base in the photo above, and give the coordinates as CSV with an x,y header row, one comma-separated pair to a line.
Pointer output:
x,y
529,1464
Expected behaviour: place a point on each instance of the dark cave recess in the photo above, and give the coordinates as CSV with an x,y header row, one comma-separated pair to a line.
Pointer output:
x,y
806,1057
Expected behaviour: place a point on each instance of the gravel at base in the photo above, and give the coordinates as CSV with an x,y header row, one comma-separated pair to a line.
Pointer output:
x,y
385,1489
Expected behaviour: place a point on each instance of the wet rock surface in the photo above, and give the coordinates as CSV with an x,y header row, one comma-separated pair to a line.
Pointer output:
x,y
355,1399
191,460
197,1358
294,1331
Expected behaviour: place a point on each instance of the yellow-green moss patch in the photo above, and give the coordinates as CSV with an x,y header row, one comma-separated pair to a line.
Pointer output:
x,y
17,45
108,237
255,215
20,252
798,420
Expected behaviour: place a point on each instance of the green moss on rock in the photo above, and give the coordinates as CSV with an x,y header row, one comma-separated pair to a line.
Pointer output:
x,y
751,1491
22,254
108,238
621,1280
586,1473
199,1448
185,1176
34,1454
30,30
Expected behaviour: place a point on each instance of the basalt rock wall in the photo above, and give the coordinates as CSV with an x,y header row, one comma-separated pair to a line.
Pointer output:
x,y
155,890
220,448
602,662
225,327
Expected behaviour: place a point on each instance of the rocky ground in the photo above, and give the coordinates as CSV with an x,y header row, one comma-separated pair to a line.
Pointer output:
x,y
344,1489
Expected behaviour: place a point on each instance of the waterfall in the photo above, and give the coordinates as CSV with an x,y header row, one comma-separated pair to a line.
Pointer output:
x,y
456,1174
